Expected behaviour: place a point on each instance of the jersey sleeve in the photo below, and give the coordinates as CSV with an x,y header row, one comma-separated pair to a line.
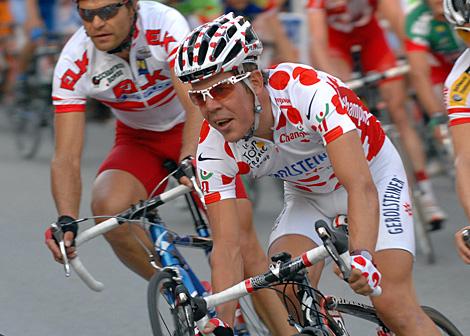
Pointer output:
x,y
169,31
68,83
216,166
317,104
457,92
417,29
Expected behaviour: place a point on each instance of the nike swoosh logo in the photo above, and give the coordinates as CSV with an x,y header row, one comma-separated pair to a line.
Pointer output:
x,y
200,158
310,105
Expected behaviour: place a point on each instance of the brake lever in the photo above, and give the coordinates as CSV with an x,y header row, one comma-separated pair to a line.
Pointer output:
x,y
188,169
59,237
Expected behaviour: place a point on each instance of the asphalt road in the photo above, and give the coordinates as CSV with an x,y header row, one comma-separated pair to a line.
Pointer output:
x,y
36,298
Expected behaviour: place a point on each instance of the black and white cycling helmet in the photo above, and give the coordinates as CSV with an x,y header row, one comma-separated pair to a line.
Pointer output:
x,y
457,12
218,46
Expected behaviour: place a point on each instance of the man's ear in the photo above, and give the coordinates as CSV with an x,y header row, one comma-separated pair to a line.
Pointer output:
x,y
257,81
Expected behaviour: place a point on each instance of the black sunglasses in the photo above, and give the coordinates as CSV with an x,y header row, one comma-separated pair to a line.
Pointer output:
x,y
104,13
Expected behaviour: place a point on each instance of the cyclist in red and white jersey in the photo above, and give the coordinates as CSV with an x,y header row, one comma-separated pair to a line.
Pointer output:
x,y
308,129
123,56
457,99
336,26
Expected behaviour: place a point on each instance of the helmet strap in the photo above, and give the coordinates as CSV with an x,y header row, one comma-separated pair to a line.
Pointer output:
x,y
126,43
257,109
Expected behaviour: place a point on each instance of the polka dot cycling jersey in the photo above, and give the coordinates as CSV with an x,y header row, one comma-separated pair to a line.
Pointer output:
x,y
140,92
310,110
457,91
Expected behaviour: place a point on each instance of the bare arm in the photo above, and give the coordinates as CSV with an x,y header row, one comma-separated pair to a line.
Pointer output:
x,y
193,122
226,259
65,166
285,49
392,12
421,78
318,29
462,164
351,169
34,19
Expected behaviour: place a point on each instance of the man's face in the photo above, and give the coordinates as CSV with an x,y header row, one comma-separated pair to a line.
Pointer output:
x,y
231,110
109,33
437,9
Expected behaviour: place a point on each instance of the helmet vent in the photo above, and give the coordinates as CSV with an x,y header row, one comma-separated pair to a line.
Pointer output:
x,y
220,47
234,52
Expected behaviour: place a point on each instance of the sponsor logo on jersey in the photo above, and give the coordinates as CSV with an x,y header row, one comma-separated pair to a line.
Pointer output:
x,y
70,78
301,167
110,75
460,89
156,37
391,205
255,153
282,101
205,175
288,137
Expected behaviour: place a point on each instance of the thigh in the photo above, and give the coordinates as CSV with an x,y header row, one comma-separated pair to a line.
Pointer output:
x,y
298,218
114,191
396,229
376,54
141,153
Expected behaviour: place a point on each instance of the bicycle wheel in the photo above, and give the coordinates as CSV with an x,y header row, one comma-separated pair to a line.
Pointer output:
x,y
443,323
368,313
165,318
27,121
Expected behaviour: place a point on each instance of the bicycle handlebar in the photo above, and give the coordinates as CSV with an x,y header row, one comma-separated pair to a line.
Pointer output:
x,y
377,76
335,245
112,223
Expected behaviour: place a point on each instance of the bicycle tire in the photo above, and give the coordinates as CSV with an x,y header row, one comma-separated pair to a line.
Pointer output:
x,y
167,321
369,313
441,321
28,129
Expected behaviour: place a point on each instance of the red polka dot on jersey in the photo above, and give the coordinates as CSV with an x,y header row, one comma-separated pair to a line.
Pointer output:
x,y
294,115
243,167
228,150
282,121
337,103
279,80
205,128
306,76
226,179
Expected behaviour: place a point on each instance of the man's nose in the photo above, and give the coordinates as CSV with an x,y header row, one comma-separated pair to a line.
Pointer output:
x,y
97,22
212,104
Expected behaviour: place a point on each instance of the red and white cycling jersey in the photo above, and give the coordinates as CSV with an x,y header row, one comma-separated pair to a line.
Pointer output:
x,y
457,91
345,15
139,92
310,109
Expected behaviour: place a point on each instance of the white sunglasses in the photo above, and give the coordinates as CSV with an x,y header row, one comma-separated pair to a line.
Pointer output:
x,y
217,91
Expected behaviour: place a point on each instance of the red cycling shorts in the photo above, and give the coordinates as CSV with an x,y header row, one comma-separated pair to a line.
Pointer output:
x,y
376,55
142,153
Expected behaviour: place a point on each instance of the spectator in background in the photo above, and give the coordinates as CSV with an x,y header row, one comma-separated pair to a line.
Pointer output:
x,y
335,27
432,48
277,46
197,12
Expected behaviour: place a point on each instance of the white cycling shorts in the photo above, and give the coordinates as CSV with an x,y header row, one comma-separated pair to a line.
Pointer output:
x,y
302,209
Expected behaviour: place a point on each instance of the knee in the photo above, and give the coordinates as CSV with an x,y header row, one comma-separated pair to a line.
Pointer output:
x,y
399,312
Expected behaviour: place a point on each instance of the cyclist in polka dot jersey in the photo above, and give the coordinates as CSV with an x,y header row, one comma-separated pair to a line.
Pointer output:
x,y
307,128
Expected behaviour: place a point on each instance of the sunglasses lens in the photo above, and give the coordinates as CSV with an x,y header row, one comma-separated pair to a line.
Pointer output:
x,y
108,12
86,14
104,13
222,91
197,98
464,35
